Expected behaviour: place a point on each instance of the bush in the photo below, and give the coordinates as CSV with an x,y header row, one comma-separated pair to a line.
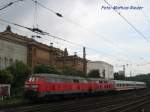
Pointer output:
x,y
72,72
5,77
46,69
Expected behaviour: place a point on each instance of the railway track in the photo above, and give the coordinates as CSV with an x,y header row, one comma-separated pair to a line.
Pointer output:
x,y
104,105
124,107
84,105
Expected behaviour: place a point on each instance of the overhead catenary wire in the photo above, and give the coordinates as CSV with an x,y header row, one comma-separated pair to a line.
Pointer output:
x,y
39,31
35,16
9,4
129,23
75,23
56,13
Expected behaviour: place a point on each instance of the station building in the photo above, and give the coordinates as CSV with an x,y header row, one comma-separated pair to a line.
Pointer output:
x,y
17,47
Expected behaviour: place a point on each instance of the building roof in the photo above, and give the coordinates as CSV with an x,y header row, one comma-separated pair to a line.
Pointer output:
x,y
24,40
100,62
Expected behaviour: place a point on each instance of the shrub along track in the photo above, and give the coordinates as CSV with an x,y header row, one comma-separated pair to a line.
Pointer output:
x,y
90,104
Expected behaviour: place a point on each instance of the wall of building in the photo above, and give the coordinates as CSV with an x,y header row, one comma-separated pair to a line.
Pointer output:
x,y
102,67
72,61
10,52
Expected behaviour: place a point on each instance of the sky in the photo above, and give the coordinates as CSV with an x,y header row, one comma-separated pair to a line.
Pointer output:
x,y
106,35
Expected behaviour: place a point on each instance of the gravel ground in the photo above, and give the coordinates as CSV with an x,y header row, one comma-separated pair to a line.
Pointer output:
x,y
145,108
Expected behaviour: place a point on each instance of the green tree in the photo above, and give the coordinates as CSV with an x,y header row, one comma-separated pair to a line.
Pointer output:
x,y
46,69
72,72
20,73
5,77
94,73
118,76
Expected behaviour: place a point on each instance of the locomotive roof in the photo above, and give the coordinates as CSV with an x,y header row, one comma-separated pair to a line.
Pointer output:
x,y
55,75
69,77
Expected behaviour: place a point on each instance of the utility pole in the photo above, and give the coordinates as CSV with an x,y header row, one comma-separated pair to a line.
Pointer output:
x,y
130,73
124,69
84,61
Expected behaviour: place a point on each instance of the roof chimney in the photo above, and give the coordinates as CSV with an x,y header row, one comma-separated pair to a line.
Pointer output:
x,y
65,52
8,29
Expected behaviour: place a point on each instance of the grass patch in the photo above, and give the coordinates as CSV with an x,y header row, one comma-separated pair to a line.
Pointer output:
x,y
11,102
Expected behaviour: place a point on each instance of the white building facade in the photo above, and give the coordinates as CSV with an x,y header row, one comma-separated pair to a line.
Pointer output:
x,y
105,69
12,49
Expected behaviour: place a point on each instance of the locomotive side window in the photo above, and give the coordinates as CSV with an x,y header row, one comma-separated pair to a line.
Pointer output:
x,y
105,81
75,80
100,81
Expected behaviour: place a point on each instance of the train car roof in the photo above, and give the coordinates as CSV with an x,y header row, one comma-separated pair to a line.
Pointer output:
x,y
98,79
58,76
122,81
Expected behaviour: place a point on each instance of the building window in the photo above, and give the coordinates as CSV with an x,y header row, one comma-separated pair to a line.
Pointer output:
x,y
0,63
103,73
10,61
34,51
5,62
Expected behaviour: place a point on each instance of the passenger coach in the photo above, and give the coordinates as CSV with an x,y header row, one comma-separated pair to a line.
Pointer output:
x,y
120,85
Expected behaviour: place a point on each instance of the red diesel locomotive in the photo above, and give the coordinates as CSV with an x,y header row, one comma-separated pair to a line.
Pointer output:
x,y
43,85
48,85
